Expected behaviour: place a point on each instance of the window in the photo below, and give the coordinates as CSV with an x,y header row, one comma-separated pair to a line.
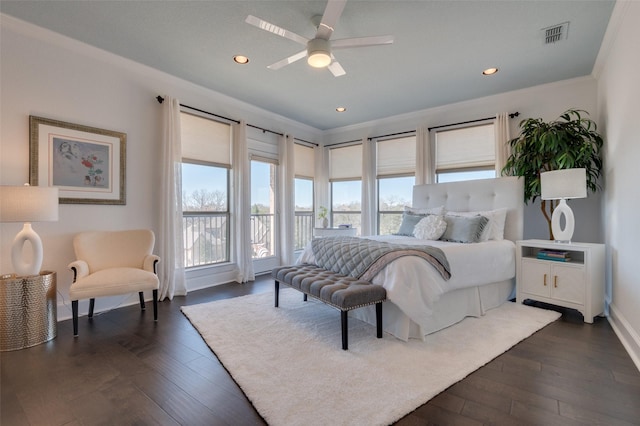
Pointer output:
x,y
395,170
263,207
303,229
465,153
303,195
345,175
206,150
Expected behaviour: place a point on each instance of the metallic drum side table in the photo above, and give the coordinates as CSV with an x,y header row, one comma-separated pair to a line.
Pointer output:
x,y
28,310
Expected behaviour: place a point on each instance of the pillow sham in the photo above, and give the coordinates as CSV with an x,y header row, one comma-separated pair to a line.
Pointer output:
x,y
463,229
432,210
430,228
494,230
409,222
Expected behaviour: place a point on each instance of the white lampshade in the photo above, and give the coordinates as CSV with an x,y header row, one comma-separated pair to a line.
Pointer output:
x,y
562,185
28,204
565,183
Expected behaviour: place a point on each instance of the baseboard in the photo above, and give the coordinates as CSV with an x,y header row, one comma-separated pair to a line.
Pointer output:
x,y
627,335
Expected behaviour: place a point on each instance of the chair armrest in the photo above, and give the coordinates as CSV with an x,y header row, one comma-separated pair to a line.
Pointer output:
x,y
80,269
149,263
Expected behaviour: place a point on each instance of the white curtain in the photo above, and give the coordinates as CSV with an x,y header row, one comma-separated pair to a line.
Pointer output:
x,y
321,180
503,148
242,198
170,243
424,162
287,202
368,214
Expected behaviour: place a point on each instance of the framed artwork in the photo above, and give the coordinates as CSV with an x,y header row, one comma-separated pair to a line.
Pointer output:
x,y
87,164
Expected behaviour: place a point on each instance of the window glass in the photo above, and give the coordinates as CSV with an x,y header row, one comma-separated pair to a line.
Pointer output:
x,y
205,205
393,194
346,203
263,208
303,229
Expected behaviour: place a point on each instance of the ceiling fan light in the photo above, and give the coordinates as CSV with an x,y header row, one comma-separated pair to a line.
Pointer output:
x,y
318,53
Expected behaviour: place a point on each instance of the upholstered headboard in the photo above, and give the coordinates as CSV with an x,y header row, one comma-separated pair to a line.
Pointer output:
x,y
473,195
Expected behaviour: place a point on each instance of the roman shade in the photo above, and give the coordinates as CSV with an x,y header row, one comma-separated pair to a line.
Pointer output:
x,y
345,163
304,161
396,157
205,140
467,147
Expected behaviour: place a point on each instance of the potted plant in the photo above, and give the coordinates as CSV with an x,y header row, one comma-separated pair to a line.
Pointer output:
x,y
322,214
569,142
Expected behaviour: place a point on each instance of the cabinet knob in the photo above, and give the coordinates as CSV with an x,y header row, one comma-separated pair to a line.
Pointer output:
x,y
544,280
555,281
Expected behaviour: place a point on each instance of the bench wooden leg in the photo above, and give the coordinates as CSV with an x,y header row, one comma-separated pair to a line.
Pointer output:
x,y
345,336
379,319
277,290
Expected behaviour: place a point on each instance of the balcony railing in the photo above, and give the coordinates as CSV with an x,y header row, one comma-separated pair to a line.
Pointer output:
x,y
303,231
206,236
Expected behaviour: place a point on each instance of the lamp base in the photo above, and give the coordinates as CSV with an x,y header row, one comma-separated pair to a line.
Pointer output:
x,y
21,266
562,235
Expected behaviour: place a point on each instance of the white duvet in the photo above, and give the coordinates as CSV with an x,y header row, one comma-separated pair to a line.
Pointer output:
x,y
414,285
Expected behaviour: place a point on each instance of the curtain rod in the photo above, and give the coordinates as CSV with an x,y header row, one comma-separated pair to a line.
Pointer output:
x,y
511,115
160,99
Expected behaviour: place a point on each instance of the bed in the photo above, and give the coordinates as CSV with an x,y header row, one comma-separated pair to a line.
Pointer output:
x,y
419,300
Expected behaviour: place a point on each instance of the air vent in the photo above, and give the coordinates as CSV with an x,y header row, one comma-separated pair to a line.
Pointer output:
x,y
556,33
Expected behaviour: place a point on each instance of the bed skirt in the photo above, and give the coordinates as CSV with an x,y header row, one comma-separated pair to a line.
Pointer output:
x,y
452,307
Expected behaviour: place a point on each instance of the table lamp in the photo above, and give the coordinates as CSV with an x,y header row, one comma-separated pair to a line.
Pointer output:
x,y
28,204
562,185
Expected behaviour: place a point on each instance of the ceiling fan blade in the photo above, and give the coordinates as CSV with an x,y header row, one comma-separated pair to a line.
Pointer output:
x,y
267,26
361,42
332,13
335,68
286,61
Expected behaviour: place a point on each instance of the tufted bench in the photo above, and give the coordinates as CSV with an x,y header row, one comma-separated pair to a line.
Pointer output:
x,y
341,292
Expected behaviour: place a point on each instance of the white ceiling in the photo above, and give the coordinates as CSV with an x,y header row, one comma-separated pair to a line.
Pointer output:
x,y
440,48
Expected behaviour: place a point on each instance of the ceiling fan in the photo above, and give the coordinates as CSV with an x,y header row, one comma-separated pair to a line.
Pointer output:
x,y
319,49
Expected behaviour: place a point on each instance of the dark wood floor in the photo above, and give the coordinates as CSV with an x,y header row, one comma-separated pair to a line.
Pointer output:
x,y
124,369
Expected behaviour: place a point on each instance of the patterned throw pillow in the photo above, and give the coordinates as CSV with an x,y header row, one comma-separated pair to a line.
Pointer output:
x,y
430,228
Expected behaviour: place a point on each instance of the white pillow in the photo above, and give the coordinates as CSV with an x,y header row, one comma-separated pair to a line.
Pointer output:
x,y
430,228
494,230
433,210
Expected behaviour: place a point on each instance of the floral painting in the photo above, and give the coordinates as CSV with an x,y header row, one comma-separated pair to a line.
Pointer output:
x,y
80,164
87,164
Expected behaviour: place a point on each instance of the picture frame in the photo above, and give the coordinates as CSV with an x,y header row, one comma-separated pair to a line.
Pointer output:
x,y
87,164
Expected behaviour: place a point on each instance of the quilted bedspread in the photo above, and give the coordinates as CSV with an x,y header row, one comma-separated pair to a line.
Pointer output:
x,y
363,258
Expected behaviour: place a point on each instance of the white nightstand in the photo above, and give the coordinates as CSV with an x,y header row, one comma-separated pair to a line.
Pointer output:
x,y
335,232
577,283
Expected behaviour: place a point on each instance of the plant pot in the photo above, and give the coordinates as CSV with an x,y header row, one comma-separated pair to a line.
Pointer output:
x,y
325,222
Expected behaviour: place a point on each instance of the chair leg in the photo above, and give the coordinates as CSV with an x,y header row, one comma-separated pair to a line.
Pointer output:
x,y
304,298
345,336
142,306
92,304
155,305
379,319
74,310
277,291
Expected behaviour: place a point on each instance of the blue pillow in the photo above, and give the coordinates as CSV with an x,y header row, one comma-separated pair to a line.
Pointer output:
x,y
409,222
464,229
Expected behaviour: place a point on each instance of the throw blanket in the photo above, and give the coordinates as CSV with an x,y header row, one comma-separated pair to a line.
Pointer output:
x,y
363,259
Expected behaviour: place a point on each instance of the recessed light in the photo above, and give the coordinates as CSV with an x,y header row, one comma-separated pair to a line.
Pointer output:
x,y
241,59
490,71
341,109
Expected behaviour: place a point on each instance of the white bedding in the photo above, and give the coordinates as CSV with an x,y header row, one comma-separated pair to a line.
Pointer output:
x,y
414,286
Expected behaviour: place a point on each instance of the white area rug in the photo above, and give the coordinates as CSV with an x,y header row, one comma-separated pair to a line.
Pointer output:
x,y
289,361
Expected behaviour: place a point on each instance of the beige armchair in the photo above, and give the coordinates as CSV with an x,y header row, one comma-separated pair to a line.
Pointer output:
x,y
112,263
